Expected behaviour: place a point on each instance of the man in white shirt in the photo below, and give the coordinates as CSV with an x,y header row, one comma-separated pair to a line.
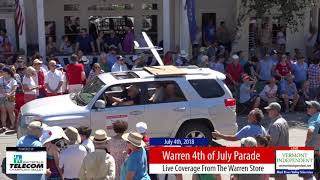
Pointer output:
x,y
120,65
71,158
85,133
53,80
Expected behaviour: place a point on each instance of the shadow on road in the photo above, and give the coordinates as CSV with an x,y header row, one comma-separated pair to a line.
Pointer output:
x,y
3,167
10,132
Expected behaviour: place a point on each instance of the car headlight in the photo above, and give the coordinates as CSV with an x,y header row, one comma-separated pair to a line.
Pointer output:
x,y
25,120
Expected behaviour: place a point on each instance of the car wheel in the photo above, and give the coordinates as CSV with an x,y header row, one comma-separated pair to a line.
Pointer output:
x,y
196,130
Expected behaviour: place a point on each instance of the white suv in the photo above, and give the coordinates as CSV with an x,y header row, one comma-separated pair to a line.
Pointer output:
x,y
199,103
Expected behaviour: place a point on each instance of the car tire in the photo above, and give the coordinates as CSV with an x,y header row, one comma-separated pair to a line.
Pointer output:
x,y
188,128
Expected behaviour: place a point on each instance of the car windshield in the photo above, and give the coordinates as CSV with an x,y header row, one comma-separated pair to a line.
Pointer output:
x,y
88,92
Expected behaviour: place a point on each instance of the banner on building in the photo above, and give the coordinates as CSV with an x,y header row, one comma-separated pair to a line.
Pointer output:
x,y
191,13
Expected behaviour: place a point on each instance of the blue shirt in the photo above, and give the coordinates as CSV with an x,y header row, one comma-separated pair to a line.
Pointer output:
x,y
210,33
245,93
29,141
251,130
286,88
266,69
84,43
314,123
300,72
111,59
136,162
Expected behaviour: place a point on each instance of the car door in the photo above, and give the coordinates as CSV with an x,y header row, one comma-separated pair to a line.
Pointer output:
x,y
104,117
162,116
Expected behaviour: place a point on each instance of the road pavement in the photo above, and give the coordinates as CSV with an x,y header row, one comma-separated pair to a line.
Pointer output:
x,y
297,122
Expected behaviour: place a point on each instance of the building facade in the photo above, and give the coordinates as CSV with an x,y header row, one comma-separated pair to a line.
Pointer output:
x,y
163,20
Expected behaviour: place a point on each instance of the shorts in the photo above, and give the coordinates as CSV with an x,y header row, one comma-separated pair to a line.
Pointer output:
x,y
4,102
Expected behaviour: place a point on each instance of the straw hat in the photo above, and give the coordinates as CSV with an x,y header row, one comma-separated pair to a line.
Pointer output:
x,y
52,133
36,127
134,138
100,136
37,61
73,135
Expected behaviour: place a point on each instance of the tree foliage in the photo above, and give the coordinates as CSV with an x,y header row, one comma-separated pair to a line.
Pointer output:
x,y
291,11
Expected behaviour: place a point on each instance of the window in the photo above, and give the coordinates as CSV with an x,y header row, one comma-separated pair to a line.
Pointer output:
x,y
163,92
123,95
72,27
71,7
88,92
207,88
111,7
149,6
124,75
150,26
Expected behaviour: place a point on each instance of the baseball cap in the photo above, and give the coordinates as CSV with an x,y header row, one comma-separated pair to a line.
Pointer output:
x,y
59,66
248,142
141,127
314,104
274,105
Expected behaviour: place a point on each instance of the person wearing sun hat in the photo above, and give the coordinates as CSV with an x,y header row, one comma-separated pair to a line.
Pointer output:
x,y
51,138
34,131
71,158
135,167
98,164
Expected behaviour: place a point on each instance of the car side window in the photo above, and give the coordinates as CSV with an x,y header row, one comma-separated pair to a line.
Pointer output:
x,y
207,88
163,92
122,95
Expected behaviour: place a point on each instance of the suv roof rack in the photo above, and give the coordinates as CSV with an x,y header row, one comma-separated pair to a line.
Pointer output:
x,y
165,71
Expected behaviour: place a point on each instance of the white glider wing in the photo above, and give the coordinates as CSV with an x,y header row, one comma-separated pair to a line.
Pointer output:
x,y
152,48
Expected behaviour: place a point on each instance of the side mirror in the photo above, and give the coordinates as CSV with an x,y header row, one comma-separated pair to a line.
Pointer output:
x,y
100,104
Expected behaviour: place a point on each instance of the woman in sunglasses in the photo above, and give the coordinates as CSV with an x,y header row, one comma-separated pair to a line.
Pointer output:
x,y
95,71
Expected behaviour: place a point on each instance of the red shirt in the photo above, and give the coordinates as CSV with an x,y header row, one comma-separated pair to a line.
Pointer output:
x,y
40,75
283,70
235,72
73,72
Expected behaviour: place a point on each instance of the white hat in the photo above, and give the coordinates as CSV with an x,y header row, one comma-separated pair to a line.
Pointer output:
x,y
52,133
235,56
249,142
84,60
141,127
134,138
183,53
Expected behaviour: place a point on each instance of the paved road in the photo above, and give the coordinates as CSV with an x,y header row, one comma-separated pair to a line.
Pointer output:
x,y
297,122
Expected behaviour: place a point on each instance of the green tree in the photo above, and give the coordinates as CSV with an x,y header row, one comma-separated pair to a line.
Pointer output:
x,y
291,11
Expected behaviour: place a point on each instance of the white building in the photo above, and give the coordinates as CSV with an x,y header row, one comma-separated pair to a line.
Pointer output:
x,y
161,19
